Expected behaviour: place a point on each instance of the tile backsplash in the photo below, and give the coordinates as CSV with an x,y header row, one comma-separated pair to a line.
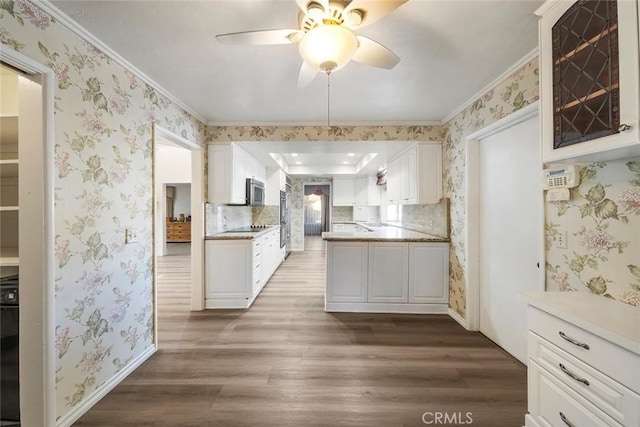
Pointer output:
x,y
269,215
430,219
342,213
219,218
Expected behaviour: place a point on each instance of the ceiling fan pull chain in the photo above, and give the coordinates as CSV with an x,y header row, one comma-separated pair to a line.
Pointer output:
x,y
329,105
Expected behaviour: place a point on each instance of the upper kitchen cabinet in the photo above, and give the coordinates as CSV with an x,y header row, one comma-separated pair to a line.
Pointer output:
x,y
415,176
589,80
229,168
360,191
275,183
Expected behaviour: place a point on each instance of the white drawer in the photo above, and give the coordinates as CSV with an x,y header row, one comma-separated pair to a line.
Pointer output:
x,y
613,398
612,360
555,404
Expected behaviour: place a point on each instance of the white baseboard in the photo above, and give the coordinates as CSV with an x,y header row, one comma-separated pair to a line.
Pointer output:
x,y
104,389
367,307
455,316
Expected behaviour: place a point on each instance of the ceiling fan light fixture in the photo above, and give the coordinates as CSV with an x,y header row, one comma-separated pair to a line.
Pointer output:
x,y
354,19
328,47
316,12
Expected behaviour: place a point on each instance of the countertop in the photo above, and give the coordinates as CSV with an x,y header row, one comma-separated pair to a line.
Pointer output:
x,y
614,321
383,233
225,235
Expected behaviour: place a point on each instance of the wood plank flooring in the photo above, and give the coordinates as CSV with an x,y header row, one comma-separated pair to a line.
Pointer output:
x,y
285,362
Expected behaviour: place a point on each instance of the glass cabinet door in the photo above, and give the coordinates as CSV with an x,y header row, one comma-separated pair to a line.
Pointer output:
x,y
585,73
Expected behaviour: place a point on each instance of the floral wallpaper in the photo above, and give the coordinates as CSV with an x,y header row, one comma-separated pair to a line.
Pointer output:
x,y
103,181
601,224
517,91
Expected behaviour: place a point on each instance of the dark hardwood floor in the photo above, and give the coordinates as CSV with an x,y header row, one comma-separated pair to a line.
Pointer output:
x,y
285,362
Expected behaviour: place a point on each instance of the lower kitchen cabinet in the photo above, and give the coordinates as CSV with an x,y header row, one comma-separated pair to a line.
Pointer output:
x,y
347,271
387,277
237,270
583,359
388,272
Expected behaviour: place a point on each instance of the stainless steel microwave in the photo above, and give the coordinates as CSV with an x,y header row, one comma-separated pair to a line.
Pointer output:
x,y
255,192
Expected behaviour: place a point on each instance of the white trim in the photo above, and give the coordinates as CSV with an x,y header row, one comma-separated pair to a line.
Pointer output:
x,y
368,307
455,316
472,217
78,411
81,32
495,82
197,215
38,390
519,116
324,124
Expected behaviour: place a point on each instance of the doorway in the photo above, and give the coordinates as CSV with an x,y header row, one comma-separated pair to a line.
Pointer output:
x,y
179,161
26,250
507,251
316,214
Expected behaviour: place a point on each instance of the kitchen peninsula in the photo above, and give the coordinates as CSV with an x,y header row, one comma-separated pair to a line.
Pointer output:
x,y
386,269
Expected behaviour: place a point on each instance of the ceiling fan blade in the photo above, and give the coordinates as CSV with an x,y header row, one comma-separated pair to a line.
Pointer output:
x,y
260,37
371,52
307,74
304,3
372,10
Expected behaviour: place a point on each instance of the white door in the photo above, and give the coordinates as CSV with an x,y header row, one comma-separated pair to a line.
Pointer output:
x,y
510,232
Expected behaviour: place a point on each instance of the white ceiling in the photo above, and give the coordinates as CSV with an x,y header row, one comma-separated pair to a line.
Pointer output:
x,y
449,50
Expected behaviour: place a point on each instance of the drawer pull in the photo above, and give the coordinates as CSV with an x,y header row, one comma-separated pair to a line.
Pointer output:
x,y
574,342
566,421
572,375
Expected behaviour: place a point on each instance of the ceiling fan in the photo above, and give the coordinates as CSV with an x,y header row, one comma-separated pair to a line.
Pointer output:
x,y
326,37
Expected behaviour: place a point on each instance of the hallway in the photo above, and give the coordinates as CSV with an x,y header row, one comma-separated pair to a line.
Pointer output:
x,y
285,362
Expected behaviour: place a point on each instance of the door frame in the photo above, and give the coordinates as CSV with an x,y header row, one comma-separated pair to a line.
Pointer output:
x,y
197,220
37,307
330,184
472,214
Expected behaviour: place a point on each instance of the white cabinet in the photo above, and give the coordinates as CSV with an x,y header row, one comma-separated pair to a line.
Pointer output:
x,y
429,273
415,176
347,271
229,167
367,193
388,272
583,359
237,270
344,190
387,277
585,105
361,191
275,183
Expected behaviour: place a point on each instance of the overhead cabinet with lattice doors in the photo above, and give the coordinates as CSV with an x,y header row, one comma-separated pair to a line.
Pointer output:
x,y
589,72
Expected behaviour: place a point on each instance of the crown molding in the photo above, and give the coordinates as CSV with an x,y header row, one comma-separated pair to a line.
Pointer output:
x,y
515,67
81,32
324,124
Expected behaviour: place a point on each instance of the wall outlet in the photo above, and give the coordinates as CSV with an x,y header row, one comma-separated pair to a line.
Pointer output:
x,y
561,240
130,236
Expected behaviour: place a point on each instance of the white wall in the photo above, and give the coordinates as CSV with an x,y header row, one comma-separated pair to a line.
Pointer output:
x,y
182,201
173,166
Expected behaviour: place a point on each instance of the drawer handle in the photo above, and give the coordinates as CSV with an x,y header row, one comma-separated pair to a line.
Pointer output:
x,y
565,420
574,342
572,375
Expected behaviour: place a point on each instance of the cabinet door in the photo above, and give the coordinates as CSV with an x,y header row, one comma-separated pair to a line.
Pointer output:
x,y
239,180
220,170
394,179
428,272
361,191
586,97
347,271
429,173
343,192
228,268
388,272
410,177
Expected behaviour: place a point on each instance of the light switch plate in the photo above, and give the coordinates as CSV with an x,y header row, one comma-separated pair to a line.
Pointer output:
x,y
130,236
